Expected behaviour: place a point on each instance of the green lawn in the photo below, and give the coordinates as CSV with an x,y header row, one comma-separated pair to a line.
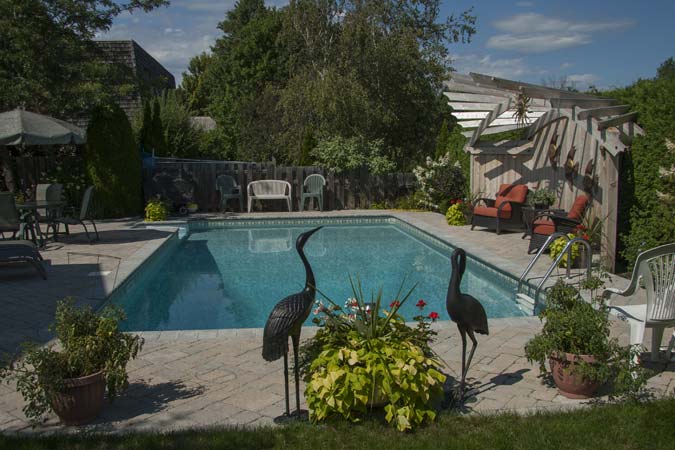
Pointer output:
x,y
650,426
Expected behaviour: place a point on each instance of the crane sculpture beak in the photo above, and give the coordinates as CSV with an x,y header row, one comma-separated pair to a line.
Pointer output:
x,y
302,239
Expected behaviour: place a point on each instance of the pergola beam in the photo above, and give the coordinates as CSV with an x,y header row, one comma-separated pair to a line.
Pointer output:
x,y
618,120
603,111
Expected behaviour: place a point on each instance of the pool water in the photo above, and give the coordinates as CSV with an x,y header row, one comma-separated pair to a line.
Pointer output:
x,y
233,277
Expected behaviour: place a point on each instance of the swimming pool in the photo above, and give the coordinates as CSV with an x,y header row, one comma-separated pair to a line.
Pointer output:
x,y
229,274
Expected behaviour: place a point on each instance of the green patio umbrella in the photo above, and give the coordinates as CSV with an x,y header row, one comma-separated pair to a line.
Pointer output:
x,y
22,127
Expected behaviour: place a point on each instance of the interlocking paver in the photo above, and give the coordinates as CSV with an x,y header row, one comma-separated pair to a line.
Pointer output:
x,y
202,378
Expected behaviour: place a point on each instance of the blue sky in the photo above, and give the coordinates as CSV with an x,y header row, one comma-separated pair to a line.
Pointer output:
x,y
602,42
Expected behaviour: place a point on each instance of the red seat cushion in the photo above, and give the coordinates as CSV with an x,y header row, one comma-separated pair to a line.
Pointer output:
x,y
578,208
510,192
543,226
488,211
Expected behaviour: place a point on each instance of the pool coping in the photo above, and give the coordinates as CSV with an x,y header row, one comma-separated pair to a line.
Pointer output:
x,y
153,250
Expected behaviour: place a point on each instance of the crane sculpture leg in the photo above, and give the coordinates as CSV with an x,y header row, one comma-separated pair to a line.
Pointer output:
x,y
465,365
296,343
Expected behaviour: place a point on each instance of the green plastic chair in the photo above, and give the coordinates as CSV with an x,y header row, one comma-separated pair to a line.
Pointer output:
x,y
229,189
313,188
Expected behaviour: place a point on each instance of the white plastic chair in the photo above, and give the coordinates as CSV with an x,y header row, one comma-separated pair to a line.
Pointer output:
x,y
656,268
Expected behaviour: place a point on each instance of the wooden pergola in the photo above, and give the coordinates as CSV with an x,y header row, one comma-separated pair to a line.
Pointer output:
x,y
563,132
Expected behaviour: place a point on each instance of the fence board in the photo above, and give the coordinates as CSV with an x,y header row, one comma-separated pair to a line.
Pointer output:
x,y
348,190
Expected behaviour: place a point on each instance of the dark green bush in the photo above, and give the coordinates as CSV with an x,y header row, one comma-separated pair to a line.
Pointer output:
x,y
645,220
113,163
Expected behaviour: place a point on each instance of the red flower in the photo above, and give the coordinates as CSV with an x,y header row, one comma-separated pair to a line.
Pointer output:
x,y
394,304
585,236
433,315
421,304
459,202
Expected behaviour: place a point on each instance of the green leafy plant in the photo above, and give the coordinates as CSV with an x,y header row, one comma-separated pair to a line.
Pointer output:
x,y
542,197
573,325
363,354
89,343
155,211
558,246
455,214
341,154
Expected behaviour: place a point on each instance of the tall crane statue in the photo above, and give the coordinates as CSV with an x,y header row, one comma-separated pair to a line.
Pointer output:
x,y
286,320
465,311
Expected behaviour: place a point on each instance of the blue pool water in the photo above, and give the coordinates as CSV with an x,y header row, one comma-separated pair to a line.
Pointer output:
x,y
232,277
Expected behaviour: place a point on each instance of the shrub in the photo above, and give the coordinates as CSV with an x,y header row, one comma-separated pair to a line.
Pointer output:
x,y
155,211
543,197
363,354
439,180
113,162
341,154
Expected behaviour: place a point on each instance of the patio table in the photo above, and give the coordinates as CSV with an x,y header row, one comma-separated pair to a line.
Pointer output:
x,y
51,206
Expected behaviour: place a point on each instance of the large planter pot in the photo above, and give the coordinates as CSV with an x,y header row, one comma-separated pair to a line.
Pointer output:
x,y
569,383
379,399
81,399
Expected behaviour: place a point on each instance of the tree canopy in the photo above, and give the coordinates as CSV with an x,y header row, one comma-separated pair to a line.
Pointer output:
x,y
338,71
48,62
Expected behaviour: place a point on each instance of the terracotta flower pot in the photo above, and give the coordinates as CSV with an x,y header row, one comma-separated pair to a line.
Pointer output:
x,y
81,399
569,383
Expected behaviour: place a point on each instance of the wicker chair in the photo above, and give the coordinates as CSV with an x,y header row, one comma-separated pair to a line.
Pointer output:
x,y
503,212
548,222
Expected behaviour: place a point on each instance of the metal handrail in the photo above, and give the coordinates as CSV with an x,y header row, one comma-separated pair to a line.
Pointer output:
x,y
543,248
568,250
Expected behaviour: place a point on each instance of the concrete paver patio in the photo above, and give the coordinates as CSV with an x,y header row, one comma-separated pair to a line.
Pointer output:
x,y
215,377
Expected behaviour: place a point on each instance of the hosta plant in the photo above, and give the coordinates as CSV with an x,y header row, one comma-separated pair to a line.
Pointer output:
x,y
455,213
364,354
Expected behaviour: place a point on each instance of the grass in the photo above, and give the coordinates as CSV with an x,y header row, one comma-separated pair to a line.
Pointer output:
x,y
615,427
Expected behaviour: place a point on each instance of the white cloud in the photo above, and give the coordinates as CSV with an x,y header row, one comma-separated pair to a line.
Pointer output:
x,y
566,65
583,78
535,33
525,4
486,64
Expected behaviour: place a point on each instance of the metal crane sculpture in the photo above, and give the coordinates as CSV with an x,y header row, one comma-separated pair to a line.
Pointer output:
x,y
465,311
286,320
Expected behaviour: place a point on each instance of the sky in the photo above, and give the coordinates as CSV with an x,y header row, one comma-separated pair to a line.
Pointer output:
x,y
605,43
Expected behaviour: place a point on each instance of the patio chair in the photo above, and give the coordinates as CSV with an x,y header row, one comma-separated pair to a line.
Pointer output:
x,y
502,213
313,188
22,251
48,193
228,188
10,221
656,269
78,219
548,222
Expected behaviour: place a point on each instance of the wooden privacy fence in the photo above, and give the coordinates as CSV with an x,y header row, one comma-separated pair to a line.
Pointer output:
x,y
348,190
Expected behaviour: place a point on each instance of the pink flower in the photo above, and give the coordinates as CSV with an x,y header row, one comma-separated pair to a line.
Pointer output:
x,y
421,304
433,315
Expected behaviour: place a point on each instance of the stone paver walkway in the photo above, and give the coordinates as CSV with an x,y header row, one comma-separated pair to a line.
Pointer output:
x,y
199,378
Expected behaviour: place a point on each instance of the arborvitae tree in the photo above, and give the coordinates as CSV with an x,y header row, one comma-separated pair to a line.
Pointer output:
x,y
442,140
113,162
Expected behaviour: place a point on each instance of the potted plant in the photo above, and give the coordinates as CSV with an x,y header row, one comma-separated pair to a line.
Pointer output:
x,y
364,356
456,213
575,342
192,207
70,378
542,199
